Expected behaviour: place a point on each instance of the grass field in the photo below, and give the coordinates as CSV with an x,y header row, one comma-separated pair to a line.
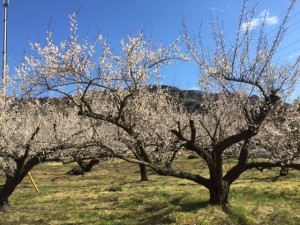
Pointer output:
x,y
112,195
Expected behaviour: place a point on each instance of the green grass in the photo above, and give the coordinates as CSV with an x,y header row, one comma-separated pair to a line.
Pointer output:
x,y
112,195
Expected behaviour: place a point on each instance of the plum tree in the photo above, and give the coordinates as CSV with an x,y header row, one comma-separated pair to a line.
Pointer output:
x,y
237,72
32,133
111,90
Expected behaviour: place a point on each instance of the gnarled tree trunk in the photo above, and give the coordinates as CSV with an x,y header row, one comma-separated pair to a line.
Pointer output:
x,y
219,195
218,188
12,181
88,167
8,188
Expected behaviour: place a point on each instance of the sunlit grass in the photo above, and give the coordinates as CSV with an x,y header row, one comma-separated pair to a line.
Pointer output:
x,y
112,195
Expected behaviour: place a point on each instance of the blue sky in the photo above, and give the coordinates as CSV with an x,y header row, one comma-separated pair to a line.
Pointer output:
x,y
161,19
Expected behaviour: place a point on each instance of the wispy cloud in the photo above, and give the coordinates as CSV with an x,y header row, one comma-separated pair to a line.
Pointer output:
x,y
264,16
216,10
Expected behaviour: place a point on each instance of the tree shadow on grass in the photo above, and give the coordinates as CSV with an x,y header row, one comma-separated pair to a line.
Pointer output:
x,y
237,214
162,214
162,217
189,206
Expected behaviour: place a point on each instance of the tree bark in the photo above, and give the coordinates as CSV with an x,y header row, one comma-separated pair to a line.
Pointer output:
x,y
87,166
8,188
3,197
13,181
143,172
217,195
283,171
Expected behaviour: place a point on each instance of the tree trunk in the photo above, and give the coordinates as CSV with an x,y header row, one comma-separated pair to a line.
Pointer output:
x,y
12,181
219,196
143,172
284,171
87,166
8,188
219,188
90,165
4,197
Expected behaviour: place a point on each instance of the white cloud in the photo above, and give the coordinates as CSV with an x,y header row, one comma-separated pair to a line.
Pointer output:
x,y
270,20
251,24
264,16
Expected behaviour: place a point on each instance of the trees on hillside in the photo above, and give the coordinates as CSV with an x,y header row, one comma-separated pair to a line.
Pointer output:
x,y
126,113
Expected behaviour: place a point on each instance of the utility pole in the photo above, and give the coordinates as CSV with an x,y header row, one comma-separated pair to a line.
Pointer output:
x,y
4,59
